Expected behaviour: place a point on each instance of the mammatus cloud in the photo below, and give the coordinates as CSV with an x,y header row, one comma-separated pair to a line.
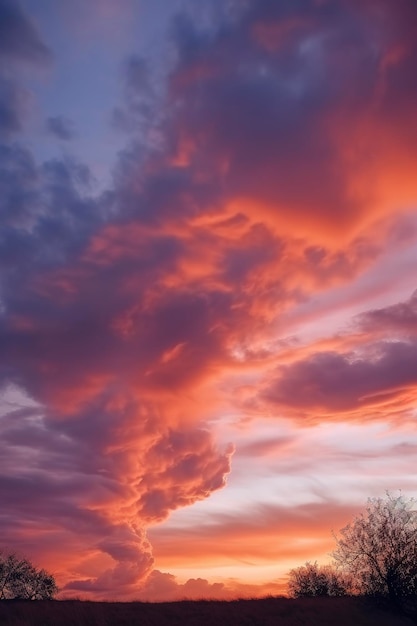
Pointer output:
x,y
139,318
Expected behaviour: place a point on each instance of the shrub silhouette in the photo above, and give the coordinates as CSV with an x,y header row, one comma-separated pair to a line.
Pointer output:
x,y
20,580
314,580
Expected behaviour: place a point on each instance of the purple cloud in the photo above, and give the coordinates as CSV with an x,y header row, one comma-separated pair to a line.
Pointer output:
x,y
331,381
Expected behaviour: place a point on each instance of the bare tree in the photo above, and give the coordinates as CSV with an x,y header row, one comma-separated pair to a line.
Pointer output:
x,y
312,579
19,579
379,550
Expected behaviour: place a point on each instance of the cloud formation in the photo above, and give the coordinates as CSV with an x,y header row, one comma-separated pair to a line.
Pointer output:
x,y
329,381
273,171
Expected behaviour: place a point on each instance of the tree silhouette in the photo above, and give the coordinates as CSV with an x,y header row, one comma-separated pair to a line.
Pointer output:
x,y
312,579
19,579
379,550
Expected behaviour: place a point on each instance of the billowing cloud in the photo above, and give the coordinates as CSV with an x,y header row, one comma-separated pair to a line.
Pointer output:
x,y
268,117
153,321
97,478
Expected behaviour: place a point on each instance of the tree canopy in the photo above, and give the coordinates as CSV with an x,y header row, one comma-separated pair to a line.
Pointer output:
x,y
379,548
19,579
376,555
312,579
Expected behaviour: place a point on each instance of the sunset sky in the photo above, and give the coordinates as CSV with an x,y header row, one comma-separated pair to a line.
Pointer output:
x,y
208,286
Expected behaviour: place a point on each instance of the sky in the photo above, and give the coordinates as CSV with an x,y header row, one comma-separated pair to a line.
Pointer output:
x,y
208,296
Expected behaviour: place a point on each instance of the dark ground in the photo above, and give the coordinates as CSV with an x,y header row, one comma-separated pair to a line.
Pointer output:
x,y
267,612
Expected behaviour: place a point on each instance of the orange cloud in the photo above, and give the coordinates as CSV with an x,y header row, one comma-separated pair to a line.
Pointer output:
x,y
221,281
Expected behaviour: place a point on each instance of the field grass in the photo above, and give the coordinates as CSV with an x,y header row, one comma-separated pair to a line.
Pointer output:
x,y
266,612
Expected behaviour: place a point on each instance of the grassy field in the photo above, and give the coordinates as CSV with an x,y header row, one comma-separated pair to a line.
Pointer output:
x,y
267,612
